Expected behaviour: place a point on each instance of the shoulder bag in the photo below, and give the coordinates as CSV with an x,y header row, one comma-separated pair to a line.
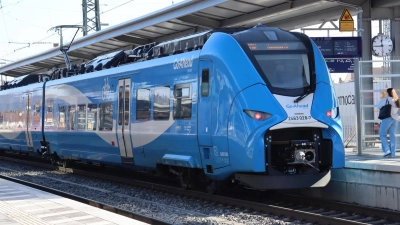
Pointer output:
x,y
385,111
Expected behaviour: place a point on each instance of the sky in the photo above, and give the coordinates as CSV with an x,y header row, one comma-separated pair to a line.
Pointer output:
x,y
25,24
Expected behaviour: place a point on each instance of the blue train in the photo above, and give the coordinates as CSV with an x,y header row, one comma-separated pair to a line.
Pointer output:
x,y
253,106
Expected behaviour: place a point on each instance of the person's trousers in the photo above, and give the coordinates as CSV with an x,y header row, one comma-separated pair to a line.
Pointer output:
x,y
388,125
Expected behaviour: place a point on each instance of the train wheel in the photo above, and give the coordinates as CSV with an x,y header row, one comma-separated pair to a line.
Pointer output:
x,y
65,163
184,184
213,187
186,179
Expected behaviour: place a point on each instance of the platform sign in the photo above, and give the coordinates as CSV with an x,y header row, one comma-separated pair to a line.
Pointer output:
x,y
346,22
339,47
340,65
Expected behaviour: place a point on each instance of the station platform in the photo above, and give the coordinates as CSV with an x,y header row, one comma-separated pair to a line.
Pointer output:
x,y
368,179
20,204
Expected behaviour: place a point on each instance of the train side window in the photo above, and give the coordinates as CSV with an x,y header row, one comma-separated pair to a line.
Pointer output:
x,y
5,120
36,112
2,124
71,117
161,103
92,117
12,120
127,100
106,116
143,104
182,101
20,115
205,82
49,111
61,118
81,117
120,104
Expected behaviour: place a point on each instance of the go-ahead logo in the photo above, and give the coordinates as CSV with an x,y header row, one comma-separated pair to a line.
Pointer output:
x,y
183,63
290,106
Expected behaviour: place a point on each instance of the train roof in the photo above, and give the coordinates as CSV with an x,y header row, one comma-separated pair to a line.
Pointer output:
x,y
183,18
24,80
154,50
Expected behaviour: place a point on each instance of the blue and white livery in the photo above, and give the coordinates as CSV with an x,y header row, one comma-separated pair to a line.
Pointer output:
x,y
251,106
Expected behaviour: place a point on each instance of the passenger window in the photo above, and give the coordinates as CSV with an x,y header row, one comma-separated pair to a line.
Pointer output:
x,y
127,100
106,116
1,119
143,104
12,119
5,120
205,85
182,101
49,111
20,115
120,104
92,117
161,103
71,117
81,117
36,112
61,118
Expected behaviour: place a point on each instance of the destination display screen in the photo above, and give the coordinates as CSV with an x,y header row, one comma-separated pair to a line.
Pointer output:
x,y
276,46
339,47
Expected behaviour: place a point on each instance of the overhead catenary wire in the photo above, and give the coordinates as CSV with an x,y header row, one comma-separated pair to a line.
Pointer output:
x,y
103,12
4,20
117,6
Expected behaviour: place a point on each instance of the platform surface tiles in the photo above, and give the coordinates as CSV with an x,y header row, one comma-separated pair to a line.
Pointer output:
x,y
20,204
368,179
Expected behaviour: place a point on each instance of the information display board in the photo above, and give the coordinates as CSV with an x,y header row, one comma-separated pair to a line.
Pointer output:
x,y
340,65
339,47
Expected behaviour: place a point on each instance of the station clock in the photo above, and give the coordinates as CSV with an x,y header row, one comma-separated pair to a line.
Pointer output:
x,y
382,45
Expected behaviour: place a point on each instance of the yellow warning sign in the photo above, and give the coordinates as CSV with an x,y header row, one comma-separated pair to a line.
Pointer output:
x,y
346,16
346,22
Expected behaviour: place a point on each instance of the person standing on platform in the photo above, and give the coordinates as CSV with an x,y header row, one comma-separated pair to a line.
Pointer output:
x,y
389,124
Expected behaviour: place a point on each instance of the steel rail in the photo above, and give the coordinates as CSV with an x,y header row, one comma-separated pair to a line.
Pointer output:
x,y
261,207
90,202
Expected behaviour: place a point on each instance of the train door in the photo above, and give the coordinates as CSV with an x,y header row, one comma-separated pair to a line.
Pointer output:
x,y
28,120
204,110
123,118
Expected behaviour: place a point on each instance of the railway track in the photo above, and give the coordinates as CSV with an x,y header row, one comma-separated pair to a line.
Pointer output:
x,y
81,199
296,208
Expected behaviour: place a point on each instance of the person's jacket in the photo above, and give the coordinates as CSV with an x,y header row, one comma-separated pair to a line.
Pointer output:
x,y
382,102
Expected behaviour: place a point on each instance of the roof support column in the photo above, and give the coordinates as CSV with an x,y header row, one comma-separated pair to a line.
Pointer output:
x,y
395,66
366,83
395,32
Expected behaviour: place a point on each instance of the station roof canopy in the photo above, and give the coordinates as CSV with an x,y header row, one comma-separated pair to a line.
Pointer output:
x,y
186,18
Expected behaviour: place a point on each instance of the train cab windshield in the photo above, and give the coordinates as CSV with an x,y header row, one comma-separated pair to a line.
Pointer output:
x,y
284,70
283,60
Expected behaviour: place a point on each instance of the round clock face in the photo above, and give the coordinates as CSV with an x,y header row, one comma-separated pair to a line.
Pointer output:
x,y
382,45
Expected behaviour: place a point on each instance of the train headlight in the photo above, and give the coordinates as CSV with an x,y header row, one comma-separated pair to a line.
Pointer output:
x,y
333,113
257,115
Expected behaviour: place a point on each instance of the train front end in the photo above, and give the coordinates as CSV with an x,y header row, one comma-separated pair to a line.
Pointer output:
x,y
292,129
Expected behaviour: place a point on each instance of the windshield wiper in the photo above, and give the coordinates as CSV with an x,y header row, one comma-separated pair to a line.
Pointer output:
x,y
297,100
